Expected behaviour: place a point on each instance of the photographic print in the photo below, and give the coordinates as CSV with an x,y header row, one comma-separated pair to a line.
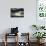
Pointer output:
x,y
17,12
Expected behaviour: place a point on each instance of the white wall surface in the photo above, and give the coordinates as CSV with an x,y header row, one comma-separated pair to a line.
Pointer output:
x,y
24,24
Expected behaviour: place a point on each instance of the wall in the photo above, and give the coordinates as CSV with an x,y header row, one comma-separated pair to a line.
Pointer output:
x,y
24,24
